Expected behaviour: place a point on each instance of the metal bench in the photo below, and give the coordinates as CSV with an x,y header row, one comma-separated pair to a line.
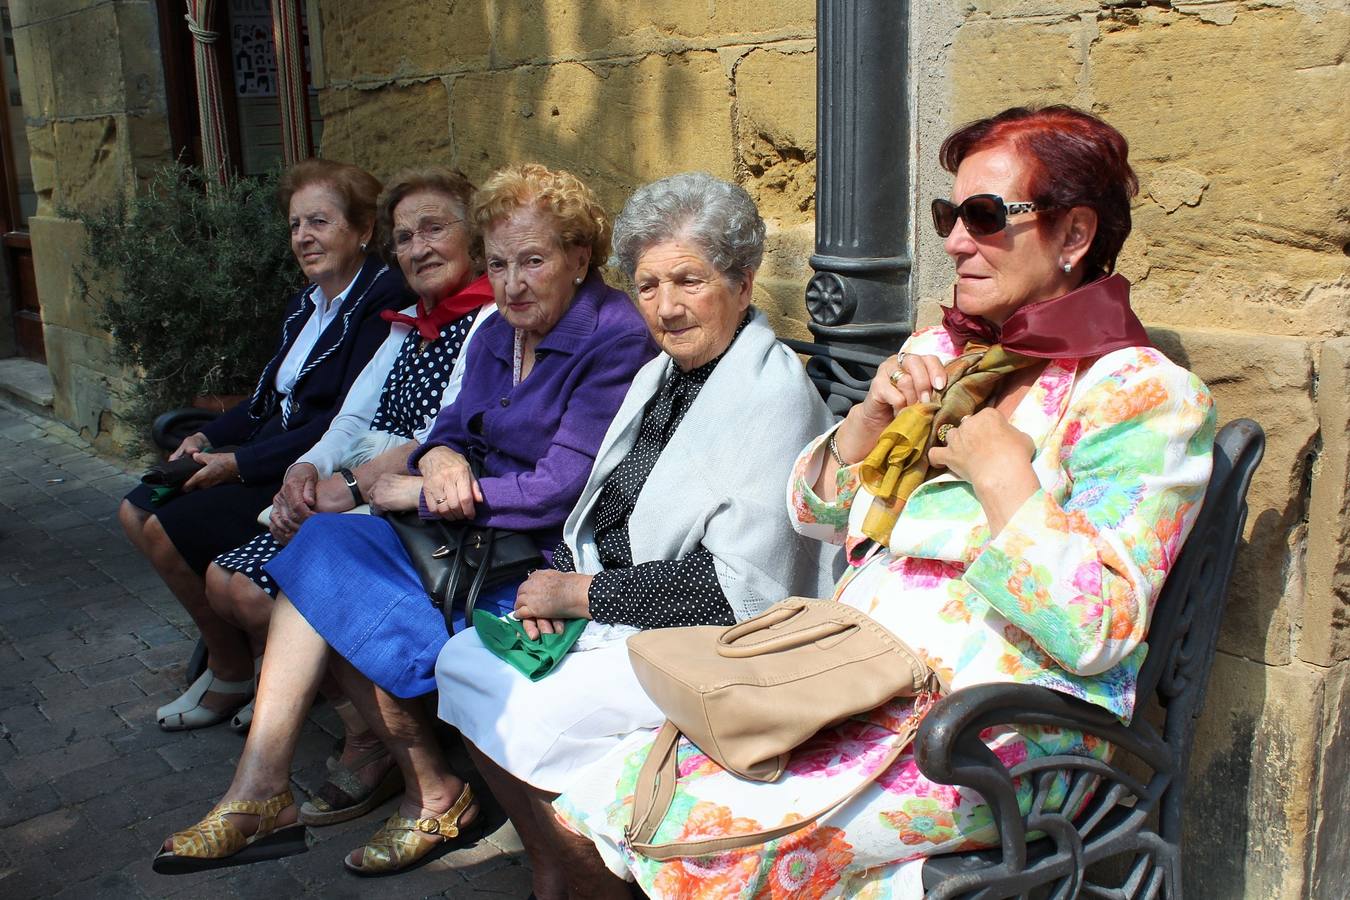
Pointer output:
x,y
1116,832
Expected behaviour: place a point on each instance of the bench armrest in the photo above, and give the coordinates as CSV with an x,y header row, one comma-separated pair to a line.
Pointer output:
x,y
169,429
948,750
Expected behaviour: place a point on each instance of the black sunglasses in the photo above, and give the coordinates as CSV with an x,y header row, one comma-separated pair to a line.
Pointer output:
x,y
984,214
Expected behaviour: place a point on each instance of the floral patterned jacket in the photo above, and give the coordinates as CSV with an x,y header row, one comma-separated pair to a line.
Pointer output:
x,y
1063,594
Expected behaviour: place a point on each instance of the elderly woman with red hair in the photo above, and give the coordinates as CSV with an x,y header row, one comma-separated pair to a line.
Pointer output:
x,y
1066,461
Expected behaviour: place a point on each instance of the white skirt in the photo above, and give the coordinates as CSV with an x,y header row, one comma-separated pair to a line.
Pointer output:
x,y
544,732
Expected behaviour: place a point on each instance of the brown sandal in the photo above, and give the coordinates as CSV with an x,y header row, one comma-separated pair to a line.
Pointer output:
x,y
344,796
398,845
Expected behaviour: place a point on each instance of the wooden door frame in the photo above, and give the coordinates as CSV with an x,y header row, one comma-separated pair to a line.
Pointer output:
x,y
13,240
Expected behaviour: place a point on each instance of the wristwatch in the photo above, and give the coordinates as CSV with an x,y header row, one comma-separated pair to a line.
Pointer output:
x,y
352,486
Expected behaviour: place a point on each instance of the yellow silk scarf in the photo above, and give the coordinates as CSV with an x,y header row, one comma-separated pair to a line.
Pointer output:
x,y
899,462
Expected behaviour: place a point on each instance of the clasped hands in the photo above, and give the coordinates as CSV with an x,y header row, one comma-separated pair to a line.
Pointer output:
x,y
217,468
983,448
548,599
303,494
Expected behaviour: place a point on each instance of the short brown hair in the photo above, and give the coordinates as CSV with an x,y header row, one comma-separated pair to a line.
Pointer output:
x,y
1072,158
356,189
576,213
451,182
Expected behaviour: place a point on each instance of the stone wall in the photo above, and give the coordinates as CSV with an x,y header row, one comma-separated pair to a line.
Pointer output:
x,y
93,98
619,93
1238,116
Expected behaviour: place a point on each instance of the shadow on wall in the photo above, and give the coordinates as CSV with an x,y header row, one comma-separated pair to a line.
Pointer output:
x,y
615,124
512,87
1238,742
1256,616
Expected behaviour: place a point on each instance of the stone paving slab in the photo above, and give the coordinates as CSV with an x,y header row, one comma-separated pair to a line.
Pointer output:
x,y
91,642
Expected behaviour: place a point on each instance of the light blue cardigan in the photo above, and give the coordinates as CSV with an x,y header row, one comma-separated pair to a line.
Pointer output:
x,y
720,481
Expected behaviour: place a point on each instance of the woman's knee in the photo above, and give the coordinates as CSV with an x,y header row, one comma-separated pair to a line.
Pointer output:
x,y
218,592
156,543
248,604
132,519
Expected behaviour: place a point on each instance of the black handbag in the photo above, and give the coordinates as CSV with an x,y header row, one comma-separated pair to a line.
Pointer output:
x,y
457,561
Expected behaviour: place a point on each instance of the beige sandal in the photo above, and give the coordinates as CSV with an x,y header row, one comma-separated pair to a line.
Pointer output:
x,y
399,845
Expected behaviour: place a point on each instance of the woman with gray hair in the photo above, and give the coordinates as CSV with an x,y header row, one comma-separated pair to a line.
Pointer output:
x,y
680,523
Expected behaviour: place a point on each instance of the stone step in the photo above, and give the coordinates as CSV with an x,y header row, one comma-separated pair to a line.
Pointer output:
x,y
27,384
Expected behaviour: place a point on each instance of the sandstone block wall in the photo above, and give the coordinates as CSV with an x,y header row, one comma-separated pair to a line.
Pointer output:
x,y
93,96
619,93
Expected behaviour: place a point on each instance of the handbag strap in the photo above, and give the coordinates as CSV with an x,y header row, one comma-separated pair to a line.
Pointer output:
x,y
471,600
655,791
449,581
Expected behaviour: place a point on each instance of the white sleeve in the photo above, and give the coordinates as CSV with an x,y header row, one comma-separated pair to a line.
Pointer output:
x,y
358,409
452,387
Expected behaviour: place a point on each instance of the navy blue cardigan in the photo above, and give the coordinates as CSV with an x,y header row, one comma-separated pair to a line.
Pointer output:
x,y
270,439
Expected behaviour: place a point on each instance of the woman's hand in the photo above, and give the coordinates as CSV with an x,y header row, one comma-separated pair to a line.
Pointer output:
x,y
986,450
900,381
217,468
192,444
448,484
295,502
548,598
395,493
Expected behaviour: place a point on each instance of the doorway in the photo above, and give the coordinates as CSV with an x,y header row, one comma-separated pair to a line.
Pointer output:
x,y
18,201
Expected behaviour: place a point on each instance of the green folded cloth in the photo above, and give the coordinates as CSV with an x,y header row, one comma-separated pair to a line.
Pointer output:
x,y
161,495
534,659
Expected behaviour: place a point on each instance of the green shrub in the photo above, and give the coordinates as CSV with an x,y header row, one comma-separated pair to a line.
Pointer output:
x,y
191,284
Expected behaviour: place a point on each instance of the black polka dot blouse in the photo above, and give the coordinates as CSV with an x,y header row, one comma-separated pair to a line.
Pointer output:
x,y
659,593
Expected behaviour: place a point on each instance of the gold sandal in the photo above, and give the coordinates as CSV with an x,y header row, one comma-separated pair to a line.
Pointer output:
x,y
398,845
215,841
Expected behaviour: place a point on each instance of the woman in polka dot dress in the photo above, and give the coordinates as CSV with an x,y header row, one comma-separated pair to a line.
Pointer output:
x,y
362,458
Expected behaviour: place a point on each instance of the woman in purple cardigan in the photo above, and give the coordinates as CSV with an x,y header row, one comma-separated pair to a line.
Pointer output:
x,y
542,382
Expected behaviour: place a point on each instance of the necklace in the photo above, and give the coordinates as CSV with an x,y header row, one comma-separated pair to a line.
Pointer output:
x,y
517,357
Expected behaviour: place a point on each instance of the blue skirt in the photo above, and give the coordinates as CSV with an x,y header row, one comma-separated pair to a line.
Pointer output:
x,y
350,577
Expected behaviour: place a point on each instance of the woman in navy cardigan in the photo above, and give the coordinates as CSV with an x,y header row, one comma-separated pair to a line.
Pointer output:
x,y
331,330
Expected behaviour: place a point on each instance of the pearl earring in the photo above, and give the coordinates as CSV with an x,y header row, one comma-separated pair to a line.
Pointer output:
x,y
1067,267
363,246
577,281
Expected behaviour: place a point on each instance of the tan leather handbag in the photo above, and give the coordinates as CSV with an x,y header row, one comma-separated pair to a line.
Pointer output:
x,y
748,694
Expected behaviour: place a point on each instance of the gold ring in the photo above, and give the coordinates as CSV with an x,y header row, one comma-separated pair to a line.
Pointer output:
x,y
895,378
943,431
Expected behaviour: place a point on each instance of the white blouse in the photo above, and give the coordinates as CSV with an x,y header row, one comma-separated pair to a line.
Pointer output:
x,y
352,423
325,311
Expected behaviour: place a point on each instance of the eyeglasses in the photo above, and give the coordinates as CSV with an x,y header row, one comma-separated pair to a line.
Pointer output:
x,y
984,214
431,234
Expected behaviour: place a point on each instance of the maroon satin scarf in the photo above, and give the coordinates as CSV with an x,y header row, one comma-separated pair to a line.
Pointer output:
x,y
1088,321
450,308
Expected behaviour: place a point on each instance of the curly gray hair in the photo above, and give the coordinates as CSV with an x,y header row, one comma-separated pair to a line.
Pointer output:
x,y
715,215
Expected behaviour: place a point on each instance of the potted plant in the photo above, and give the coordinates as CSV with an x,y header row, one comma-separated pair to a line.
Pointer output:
x,y
191,284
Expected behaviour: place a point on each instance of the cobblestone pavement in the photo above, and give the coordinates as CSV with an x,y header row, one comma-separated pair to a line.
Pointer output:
x,y
91,642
